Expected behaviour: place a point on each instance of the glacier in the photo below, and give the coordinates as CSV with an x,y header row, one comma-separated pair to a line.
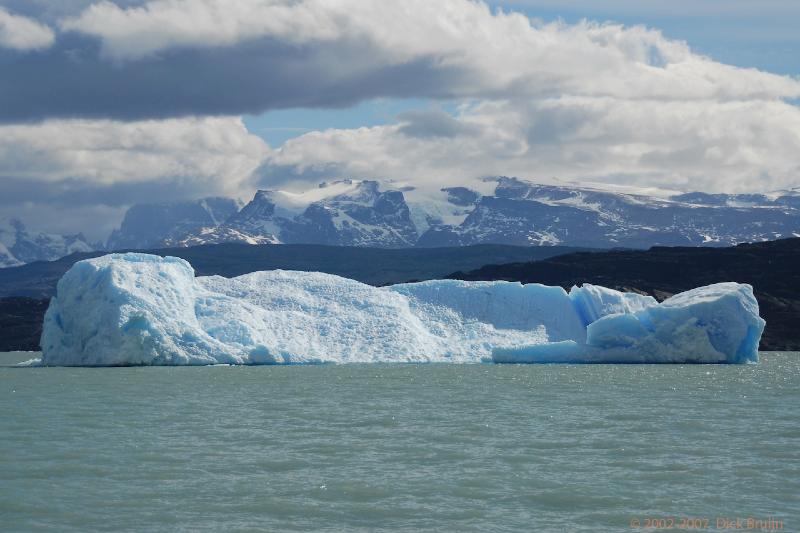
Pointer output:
x,y
140,309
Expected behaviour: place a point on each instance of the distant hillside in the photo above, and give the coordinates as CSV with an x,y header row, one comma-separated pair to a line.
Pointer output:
x,y
772,268
21,323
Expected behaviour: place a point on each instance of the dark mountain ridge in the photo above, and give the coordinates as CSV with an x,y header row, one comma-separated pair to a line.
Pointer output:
x,y
376,266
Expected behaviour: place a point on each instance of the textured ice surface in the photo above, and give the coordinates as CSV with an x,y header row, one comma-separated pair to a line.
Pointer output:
x,y
138,309
714,324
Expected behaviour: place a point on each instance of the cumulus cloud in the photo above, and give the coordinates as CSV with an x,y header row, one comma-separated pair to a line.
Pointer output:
x,y
22,33
736,146
139,31
706,8
79,166
494,52
207,57
105,152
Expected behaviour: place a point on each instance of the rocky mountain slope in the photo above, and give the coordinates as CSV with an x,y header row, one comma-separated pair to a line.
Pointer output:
x,y
523,213
148,225
344,213
373,214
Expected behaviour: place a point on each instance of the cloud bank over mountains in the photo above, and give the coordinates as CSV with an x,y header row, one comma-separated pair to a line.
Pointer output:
x,y
121,94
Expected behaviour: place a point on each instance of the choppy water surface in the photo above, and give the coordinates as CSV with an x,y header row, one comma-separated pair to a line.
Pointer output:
x,y
398,448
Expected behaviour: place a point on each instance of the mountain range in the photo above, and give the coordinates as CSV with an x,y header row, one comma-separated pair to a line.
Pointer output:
x,y
379,215
19,246
516,212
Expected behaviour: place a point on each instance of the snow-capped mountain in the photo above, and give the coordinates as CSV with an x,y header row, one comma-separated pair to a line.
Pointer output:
x,y
343,213
19,246
524,213
367,213
150,225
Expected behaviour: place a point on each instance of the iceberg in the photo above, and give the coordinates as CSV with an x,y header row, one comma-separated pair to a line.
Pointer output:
x,y
140,309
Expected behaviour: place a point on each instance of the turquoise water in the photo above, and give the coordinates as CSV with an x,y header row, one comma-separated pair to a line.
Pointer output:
x,y
398,448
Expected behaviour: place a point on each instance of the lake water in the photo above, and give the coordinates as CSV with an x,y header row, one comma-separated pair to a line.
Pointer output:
x,y
399,448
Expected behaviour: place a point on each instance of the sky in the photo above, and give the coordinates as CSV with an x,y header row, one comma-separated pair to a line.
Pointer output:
x,y
105,104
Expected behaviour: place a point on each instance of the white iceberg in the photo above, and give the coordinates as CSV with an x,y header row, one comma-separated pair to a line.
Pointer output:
x,y
139,309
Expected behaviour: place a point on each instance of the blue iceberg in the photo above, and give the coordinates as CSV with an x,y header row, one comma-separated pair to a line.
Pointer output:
x,y
139,309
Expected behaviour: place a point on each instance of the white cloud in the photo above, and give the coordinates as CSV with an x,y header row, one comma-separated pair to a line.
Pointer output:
x,y
215,153
161,24
691,8
734,146
81,175
22,33
487,54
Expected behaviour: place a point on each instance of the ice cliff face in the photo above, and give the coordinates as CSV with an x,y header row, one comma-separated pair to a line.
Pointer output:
x,y
137,309
19,246
368,213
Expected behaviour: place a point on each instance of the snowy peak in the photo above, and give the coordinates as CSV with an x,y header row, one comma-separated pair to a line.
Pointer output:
x,y
374,214
345,213
578,197
360,214
289,203
19,246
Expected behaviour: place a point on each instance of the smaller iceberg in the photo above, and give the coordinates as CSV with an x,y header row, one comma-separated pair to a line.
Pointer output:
x,y
139,309
714,324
